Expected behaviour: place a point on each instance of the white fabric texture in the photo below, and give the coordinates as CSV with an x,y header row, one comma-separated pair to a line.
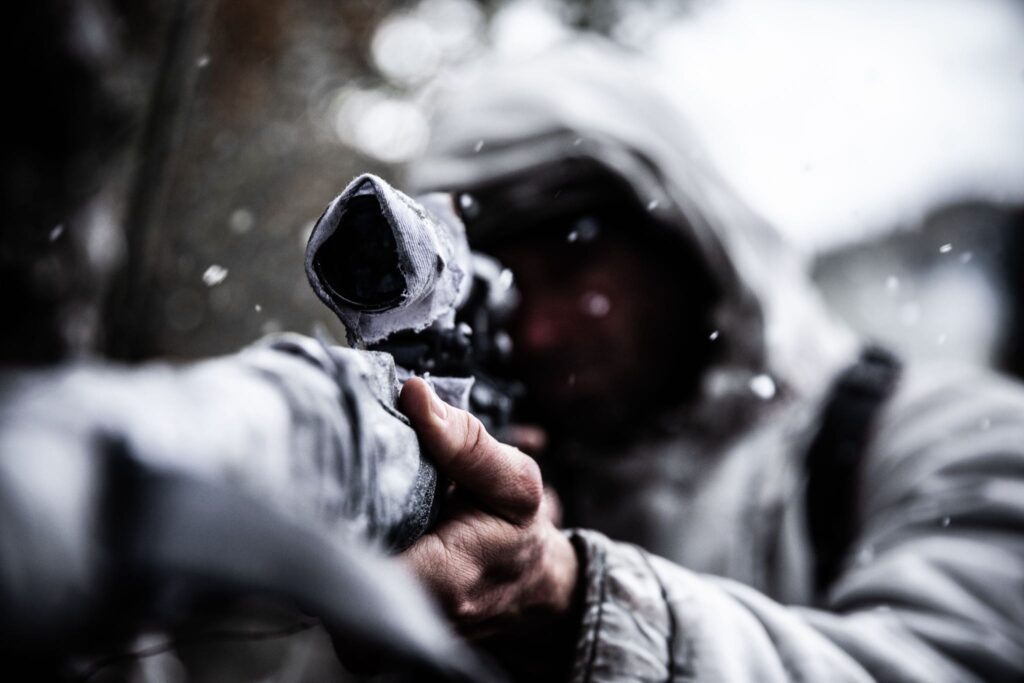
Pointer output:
x,y
433,256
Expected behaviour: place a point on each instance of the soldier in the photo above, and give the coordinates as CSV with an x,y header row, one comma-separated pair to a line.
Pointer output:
x,y
803,507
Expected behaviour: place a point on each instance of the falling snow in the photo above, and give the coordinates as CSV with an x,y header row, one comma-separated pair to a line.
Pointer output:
x,y
241,221
763,386
596,304
214,275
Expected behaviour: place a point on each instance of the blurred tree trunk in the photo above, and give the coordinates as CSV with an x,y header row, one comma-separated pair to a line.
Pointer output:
x,y
130,320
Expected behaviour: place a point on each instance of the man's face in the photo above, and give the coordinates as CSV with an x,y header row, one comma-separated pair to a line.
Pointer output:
x,y
607,323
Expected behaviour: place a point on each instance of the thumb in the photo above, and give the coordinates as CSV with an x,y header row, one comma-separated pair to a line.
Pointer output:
x,y
501,478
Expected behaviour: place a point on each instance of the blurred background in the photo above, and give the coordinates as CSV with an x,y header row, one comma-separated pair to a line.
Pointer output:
x,y
885,138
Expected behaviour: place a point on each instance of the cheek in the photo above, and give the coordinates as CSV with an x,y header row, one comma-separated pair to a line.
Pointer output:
x,y
622,315
593,311
537,330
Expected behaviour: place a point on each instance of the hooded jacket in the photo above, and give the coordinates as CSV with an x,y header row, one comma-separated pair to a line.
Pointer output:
x,y
720,584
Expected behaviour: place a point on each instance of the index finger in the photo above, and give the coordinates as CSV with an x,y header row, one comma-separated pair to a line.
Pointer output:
x,y
502,478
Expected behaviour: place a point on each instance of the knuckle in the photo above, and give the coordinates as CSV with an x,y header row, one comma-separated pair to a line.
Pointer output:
x,y
530,483
475,437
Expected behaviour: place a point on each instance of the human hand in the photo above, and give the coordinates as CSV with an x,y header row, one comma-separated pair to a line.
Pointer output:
x,y
533,440
494,560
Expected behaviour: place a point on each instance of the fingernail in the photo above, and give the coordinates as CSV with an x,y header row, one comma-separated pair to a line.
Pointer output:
x,y
439,407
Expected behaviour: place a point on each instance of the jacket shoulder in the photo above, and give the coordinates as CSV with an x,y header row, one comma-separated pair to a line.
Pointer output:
x,y
946,428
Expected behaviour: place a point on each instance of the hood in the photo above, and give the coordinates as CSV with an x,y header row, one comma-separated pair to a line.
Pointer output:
x,y
589,101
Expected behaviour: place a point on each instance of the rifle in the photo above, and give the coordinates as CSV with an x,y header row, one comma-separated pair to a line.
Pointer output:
x,y
401,277
154,535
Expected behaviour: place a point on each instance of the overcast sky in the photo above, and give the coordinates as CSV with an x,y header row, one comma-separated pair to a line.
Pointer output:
x,y
841,116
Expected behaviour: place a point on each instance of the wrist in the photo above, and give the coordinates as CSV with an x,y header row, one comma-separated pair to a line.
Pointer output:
x,y
561,574
552,626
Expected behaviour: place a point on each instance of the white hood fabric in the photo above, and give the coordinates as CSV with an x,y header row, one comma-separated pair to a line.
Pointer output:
x,y
589,101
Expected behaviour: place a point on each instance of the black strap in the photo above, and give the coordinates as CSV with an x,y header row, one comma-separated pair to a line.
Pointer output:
x,y
834,459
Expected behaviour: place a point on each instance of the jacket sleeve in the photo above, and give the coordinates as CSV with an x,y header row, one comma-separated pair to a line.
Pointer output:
x,y
933,590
